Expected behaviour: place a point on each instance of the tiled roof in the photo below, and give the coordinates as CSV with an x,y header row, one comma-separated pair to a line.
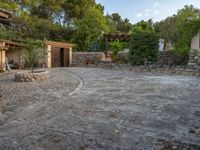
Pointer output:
x,y
10,43
5,11
60,44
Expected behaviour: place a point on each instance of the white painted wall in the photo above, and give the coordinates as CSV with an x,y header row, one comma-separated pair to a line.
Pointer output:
x,y
195,44
161,44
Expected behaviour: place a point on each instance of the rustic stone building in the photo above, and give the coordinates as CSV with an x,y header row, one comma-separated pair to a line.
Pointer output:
x,y
8,49
59,54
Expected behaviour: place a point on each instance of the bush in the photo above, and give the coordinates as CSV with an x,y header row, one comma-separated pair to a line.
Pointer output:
x,y
143,46
32,53
115,47
123,59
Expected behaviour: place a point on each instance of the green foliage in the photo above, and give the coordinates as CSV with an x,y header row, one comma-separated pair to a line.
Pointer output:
x,y
188,25
115,47
123,59
7,34
143,26
81,21
198,63
77,8
185,34
30,24
189,12
32,53
166,29
180,28
125,45
117,24
89,29
143,46
8,5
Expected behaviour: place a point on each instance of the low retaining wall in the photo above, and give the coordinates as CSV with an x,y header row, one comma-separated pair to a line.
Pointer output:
x,y
165,63
30,77
161,69
87,58
170,70
169,58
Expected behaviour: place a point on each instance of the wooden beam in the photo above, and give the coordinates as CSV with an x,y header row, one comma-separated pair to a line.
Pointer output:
x,y
4,15
5,21
60,44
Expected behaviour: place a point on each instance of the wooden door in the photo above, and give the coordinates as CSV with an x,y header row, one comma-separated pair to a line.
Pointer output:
x,y
66,57
55,57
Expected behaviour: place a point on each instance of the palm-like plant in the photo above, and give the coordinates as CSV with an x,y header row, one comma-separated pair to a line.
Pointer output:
x,y
115,47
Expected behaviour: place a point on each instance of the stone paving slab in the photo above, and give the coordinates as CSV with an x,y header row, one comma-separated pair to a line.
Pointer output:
x,y
112,110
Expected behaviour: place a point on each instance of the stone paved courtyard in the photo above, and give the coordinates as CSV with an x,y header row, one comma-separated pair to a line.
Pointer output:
x,y
91,109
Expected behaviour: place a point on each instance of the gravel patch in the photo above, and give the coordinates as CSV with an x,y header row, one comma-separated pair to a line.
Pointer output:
x,y
111,110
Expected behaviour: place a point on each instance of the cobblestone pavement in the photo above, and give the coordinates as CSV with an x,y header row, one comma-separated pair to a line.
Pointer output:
x,y
112,110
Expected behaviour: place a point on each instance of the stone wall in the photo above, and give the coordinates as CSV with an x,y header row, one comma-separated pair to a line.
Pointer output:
x,y
170,70
87,58
171,59
194,58
123,55
30,77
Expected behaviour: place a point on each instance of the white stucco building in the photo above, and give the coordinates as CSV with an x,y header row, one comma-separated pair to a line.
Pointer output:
x,y
195,44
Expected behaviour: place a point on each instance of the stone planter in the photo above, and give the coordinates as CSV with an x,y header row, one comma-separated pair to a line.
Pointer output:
x,y
31,76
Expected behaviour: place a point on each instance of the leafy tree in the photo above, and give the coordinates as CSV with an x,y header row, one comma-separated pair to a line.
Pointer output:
x,y
143,26
189,12
45,9
7,34
111,24
47,19
185,33
8,5
32,53
89,29
117,24
77,8
169,29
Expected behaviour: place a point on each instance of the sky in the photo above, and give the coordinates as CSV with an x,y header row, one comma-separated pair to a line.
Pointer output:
x,y
136,10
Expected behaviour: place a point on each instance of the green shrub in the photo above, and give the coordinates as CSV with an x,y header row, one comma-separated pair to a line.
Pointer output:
x,y
143,46
32,53
123,60
115,47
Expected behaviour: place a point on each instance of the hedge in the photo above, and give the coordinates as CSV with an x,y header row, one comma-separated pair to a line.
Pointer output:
x,y
143,46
